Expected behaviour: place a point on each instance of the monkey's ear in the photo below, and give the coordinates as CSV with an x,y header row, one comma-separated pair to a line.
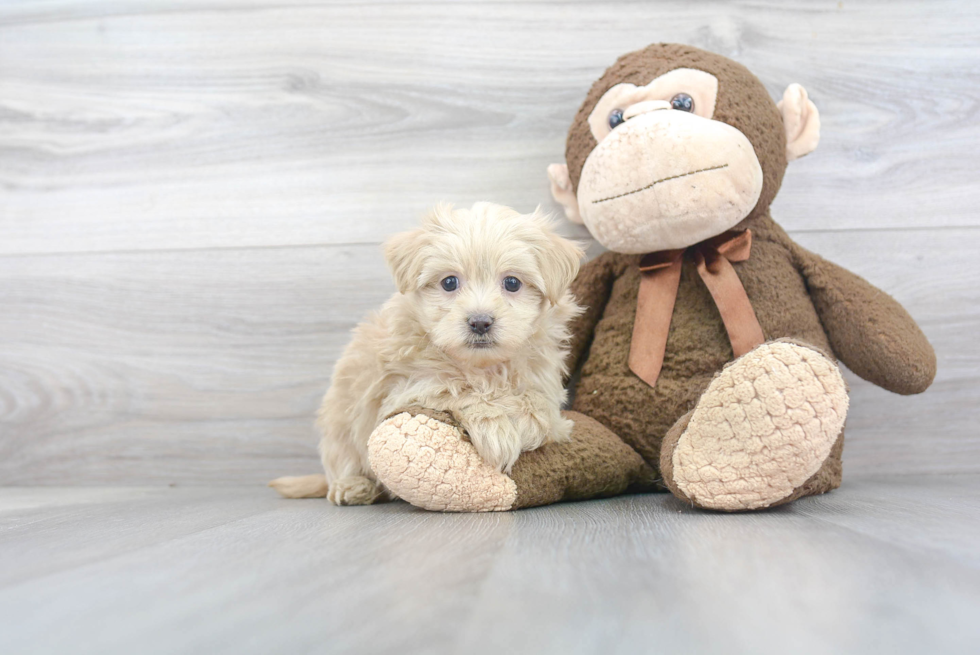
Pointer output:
x,y
561,191
801,120
403,252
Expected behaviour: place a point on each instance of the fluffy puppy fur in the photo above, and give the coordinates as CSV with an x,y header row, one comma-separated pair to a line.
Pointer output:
x,y
456,337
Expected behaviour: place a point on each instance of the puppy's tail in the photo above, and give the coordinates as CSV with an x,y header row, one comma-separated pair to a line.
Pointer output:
x,y
304,486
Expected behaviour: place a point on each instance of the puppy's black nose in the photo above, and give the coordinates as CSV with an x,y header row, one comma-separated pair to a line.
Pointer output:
x,y
480,323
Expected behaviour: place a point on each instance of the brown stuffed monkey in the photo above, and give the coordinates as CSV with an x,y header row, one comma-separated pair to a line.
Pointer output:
x,y
708,348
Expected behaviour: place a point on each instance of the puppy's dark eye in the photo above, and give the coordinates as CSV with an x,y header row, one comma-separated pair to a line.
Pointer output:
x,y
682,102
615,118
512,284
450,283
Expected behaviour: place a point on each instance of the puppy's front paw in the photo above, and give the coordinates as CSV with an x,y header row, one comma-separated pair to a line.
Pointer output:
x,y
549,429
353,490
498,440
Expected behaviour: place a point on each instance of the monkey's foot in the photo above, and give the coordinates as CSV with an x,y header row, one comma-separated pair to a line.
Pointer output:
x,y
421,456
424,457
763,428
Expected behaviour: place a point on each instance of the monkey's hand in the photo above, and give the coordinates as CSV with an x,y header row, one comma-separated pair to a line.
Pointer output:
x,y
591,288
870,332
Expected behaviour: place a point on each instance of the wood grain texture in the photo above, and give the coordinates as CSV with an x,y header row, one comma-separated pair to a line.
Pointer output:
x,y
192,194
886,566
207,366
174,366
147,125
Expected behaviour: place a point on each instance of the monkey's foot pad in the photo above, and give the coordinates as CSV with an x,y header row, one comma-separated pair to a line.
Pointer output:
x,y
426,462
763,427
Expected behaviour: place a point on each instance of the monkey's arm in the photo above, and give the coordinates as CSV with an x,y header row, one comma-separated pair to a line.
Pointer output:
x,y
870,332
591,289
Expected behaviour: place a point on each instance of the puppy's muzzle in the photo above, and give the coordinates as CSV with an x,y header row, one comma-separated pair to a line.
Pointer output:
x,y
480,323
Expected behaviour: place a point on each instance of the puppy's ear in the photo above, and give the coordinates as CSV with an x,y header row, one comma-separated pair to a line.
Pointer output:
x,y
403,252
559,260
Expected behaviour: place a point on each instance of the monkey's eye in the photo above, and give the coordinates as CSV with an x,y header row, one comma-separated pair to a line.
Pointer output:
x,y
682,102
615,118
512,284
450,283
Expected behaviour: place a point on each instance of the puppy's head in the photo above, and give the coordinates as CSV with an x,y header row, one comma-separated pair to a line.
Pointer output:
x,y
482,280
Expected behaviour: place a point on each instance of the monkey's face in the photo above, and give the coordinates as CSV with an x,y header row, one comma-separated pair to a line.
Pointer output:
x,y
674,145
664,173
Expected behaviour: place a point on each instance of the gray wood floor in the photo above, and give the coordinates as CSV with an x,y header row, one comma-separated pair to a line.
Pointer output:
x,y
881,566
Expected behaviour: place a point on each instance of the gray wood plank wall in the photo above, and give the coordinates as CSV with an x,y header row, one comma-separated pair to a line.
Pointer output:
x,y
192,195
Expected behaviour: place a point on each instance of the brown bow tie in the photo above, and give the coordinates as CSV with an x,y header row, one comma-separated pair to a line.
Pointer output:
x,y
660,276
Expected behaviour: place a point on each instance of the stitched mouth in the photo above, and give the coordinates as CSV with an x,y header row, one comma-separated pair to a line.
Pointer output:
x,y
656,182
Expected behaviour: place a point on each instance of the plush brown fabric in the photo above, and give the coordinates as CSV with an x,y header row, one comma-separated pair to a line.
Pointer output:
x,y
868,329
795,295
869,334
742,102
697,344
594,464
666,456
592,289
660,275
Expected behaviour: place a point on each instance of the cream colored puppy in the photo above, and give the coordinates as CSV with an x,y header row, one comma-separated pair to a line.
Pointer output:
x,y
477,328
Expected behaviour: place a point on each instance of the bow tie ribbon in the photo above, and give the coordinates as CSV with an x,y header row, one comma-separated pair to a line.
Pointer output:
x,y
660,277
